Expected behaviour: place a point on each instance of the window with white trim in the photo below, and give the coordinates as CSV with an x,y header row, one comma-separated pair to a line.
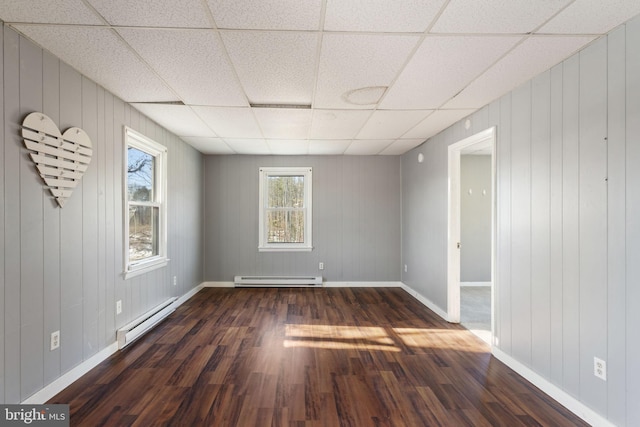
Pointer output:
x,y
285,209
145,208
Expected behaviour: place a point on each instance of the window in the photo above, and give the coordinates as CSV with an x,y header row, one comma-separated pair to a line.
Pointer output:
x,y
145,183
285,209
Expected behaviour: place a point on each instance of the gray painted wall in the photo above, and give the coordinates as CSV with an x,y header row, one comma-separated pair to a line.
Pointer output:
x,y
60,269
356,219
568,213
475,218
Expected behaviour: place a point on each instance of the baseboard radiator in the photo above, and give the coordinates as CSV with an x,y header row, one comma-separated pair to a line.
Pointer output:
x,y
277,281
134,330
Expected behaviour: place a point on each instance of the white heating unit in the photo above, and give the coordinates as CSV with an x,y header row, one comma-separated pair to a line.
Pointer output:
x,y
276,281
130,332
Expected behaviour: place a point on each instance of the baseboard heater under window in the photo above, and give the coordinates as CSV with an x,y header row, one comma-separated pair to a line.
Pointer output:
x,y
130,332
277,281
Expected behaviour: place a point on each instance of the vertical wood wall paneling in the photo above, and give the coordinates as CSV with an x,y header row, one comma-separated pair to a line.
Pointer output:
x,y
2,218
570,229
503,197
118,153
12,155
555,226
99,147
593,221
90,216
633,221
616,292
51,228
112,228
31,233
494,120
540,224
521,223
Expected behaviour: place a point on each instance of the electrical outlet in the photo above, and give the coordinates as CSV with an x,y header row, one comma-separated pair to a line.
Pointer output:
x,y
175,280
55,340
600,368
405,268
321,266
118,306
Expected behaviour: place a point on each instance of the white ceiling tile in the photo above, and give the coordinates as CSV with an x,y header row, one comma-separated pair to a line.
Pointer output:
x,y
442,67
592,17
436,122
381,15
183,57
230,122
328,147
267,14
532,57
208,145
337,124
496,16
283,123
248,146
47,11
289,147
154,13
391,123
99,54
274,67
354,61
401,146
179,119
367,147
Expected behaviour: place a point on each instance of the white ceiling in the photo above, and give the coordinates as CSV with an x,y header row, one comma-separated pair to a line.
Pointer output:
x,y
380,76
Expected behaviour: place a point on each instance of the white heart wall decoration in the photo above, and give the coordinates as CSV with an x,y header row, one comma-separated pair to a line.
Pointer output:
x,y
61,158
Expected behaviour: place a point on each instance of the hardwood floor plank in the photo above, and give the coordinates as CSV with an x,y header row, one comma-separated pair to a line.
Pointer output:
x,y
307,357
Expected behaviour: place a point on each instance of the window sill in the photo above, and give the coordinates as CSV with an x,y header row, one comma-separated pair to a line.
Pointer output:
x,y
285,249
145,267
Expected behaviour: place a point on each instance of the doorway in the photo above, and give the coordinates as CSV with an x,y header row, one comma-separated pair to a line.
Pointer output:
x,y
471,239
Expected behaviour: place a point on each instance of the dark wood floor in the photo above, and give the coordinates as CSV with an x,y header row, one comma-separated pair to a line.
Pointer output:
x,y
307,357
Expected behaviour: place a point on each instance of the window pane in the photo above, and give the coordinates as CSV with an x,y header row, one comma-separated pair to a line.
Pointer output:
x,y
285,191
285,226
140,170
143,232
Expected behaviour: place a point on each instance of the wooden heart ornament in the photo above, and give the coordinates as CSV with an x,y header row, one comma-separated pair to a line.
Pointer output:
x,y
61,158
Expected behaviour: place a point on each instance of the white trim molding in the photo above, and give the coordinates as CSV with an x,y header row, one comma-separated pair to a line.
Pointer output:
x,y
426,302
472,284
362,284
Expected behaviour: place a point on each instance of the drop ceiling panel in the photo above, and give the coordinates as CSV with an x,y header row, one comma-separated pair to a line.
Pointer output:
x,y
154,13
298,147
496,16
381,15
353,61
47,11
208,145
100,54
442,67
592,16
401,146
337,124
267,14
436,122
283,123
391,124
182,57
274,67
248,146
179,119
367,147
532,57
328,147
230,122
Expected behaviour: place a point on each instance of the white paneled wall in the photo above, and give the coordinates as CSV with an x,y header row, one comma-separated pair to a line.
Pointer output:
x,y
568,222
61,269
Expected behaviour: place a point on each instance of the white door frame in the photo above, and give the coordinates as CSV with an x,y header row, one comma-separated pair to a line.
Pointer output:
x,y
453,242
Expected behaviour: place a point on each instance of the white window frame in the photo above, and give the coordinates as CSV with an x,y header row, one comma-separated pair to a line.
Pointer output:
x,y
263,244
137,140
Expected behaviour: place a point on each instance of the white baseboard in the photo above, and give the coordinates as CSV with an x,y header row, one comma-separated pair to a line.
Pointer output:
x,y
362,284
475,283
556,393
217,284
426,301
